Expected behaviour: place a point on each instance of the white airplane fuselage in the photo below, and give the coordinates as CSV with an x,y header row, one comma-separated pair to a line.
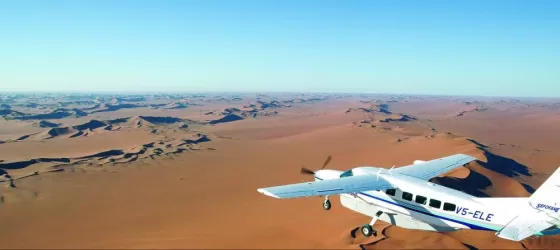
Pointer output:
x,y
429,206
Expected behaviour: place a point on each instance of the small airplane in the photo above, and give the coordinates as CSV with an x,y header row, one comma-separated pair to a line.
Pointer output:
x,y
404,197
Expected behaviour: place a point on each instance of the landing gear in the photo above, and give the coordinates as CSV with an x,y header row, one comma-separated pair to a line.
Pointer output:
x,y
367,229
327,203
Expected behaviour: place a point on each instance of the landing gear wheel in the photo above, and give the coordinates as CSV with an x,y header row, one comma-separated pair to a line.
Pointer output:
x,y
367,230
327,205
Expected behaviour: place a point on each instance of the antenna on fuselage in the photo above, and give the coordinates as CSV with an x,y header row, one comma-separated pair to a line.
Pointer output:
x,y
378,172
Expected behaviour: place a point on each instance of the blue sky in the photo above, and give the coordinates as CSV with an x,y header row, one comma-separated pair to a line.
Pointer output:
x,y
416,47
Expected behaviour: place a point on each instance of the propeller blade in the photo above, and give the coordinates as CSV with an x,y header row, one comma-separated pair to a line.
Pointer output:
x,y
307,171
327,162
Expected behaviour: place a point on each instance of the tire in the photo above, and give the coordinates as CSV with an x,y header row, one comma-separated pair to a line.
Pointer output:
x,y
327,205
366,230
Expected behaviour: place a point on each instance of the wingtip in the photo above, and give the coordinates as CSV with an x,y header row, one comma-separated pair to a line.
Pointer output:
x,y
506,237
267,193
469,157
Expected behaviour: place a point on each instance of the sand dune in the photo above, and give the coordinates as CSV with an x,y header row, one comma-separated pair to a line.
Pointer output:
x,y
372,109
308,99
54,132
46,124
227,118
77,102
271,104
160,119
165,143
398,118
96,126
114,107
91,125
125,181
247,111
477,109
7,112
84,105
160,147
175,105
55,114
250,112
380,112
377,115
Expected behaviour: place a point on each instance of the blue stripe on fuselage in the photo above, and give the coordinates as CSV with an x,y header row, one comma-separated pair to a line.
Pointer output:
x,y
472,226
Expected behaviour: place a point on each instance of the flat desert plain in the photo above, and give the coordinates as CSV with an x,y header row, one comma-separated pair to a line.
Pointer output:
x,y
182,170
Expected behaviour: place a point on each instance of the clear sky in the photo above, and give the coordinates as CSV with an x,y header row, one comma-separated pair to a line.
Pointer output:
x,y
416,47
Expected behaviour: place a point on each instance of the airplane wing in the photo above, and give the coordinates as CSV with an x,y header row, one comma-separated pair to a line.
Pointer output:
x,y
327,187
429,169
525,225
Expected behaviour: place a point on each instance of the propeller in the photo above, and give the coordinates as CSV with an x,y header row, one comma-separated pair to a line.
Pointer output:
x,y
307,171
391,170
327,162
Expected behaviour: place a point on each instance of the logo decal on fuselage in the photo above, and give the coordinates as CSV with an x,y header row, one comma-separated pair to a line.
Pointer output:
x,y
548,207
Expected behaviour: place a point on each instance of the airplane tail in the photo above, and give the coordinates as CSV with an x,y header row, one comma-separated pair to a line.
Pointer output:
x,y
541,216
546,198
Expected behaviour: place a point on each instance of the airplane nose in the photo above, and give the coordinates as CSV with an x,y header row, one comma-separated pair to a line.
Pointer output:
x,y
327,174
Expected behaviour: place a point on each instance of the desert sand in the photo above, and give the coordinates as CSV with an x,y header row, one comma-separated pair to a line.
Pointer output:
x,y
181,170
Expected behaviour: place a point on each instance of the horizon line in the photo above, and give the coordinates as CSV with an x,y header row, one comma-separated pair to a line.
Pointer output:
x,y
175,92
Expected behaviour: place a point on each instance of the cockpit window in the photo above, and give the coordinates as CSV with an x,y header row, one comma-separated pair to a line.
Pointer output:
x,y
347,173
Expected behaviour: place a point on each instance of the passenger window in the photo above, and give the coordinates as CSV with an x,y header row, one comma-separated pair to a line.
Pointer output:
x,y
407,196
449,207
435,203
391,191
421,199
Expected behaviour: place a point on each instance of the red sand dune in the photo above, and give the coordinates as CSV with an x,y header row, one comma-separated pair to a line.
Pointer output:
x,y
205,196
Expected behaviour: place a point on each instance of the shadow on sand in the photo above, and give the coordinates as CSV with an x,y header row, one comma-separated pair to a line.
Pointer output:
x,y
500,164
505,166
24,164
473,184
